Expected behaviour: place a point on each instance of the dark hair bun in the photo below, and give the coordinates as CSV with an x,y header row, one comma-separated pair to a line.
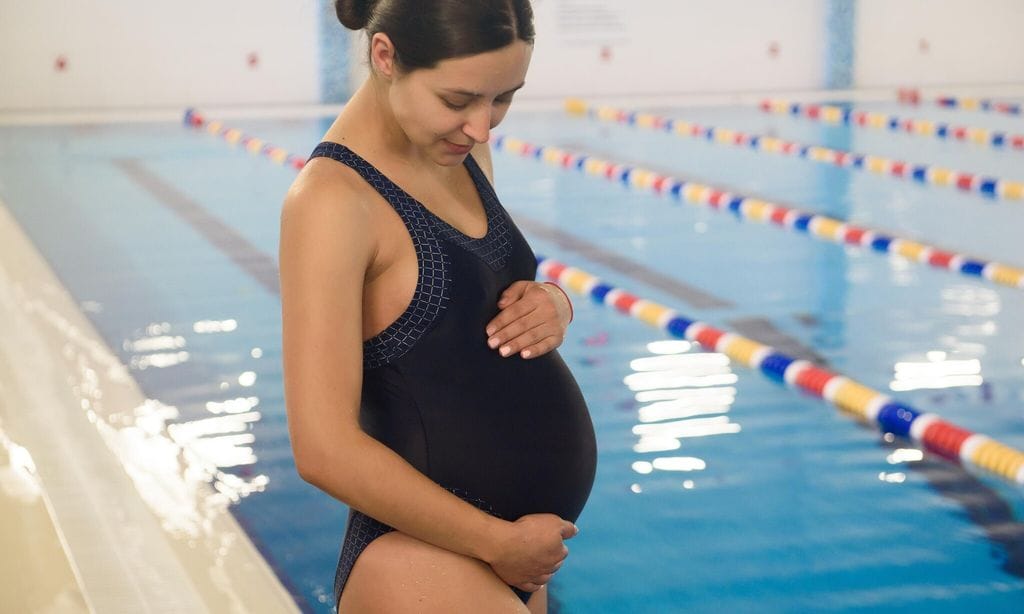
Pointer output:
x,y
354,14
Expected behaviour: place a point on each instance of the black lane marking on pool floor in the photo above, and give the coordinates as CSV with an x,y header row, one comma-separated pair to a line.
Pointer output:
x,y
264,269
982,505
247,256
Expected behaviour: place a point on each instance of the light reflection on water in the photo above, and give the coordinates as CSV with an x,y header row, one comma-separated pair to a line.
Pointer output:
x,y
685,391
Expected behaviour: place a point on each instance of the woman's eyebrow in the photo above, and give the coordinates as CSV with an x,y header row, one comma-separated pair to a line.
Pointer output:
x,y
478,95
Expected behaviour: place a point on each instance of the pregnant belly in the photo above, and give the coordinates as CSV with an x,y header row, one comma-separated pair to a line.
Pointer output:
x,y
516,434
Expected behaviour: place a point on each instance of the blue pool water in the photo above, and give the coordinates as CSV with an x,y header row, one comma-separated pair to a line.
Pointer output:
x,y
773,500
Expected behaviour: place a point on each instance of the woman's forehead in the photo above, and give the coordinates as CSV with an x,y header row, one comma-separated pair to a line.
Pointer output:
x,y
498,71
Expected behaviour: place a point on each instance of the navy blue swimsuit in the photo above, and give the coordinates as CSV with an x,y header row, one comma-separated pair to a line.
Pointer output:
x,y
511,436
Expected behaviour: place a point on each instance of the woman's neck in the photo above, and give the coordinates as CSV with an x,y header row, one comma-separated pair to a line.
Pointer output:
x,y
368,125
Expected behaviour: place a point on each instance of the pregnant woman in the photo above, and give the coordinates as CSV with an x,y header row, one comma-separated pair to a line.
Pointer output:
x,y
422,382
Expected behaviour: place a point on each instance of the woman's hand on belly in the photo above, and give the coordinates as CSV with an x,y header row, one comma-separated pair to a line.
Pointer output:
x,y
528,552
532,320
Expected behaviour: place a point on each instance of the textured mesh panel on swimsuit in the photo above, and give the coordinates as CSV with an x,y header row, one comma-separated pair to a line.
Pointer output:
x,y
431,295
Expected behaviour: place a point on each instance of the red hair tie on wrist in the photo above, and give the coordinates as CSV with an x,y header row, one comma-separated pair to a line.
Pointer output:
x,y
567,299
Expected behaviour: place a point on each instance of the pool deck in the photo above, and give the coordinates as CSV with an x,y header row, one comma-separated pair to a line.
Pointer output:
x,y
79,530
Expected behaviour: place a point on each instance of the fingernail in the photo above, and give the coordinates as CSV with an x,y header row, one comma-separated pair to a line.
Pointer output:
x,y
490,330
493,342
505,351
577,530
527,353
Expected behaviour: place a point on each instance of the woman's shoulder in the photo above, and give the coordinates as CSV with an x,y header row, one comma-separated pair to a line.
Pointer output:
x,y
329,200
324,187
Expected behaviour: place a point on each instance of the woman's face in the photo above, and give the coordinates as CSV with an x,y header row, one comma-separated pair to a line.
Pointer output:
x,y
448,109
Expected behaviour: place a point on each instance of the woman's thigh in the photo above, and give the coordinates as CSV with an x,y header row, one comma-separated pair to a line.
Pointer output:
x,y
398,573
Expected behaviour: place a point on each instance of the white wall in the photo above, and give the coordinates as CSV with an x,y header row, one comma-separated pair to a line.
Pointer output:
x,y
159,54
968,42
675,46
127,53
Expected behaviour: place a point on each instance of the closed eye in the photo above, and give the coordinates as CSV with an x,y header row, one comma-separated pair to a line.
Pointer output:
x,y
453,106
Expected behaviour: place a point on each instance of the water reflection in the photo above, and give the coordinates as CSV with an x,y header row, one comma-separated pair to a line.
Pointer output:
x,y
685,395
970,301
937,371
179,466
214,326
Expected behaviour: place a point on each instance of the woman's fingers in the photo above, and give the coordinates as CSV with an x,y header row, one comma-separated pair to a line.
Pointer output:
x,y
521,299
542,347
513,293
508,316
531,342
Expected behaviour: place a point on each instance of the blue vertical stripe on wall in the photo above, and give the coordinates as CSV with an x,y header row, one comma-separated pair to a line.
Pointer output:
x,y
334,56
839,32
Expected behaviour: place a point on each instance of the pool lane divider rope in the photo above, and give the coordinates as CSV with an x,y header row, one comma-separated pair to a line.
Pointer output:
x,y
819,226
831,114
250,143
913,96
990,187
870,406
935,434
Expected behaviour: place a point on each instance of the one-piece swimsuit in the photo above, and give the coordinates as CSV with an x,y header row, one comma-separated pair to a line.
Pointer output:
x,y
512,436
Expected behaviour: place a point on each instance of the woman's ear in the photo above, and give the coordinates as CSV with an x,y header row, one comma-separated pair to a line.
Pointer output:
x,y
382,55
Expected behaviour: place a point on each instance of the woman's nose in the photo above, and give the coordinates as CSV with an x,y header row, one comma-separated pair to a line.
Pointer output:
x,y
478,127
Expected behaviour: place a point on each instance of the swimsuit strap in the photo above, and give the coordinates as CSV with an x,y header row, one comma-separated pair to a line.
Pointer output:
x,y
433,281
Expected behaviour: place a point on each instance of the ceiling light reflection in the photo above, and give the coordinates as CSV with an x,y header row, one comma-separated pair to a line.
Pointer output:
x,y
904,455
936,373
153,344
692,394
669,346
970,301
682,392
695,427
686,408
161,360
662,380
232,406
158,328
656,444
226,451
712,362
643,467
215,326
679,463
186,432
892,478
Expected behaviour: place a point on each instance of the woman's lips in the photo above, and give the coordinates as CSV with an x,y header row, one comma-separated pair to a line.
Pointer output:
x,y
457,149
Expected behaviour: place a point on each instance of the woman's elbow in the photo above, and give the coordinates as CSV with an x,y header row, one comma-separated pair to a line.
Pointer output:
x,y
317,464
307,469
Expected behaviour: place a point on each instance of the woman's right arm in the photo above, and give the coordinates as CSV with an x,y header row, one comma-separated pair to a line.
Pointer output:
x,y
327,245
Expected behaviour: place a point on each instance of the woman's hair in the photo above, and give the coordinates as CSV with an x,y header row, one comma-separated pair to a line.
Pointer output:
x,y
425,32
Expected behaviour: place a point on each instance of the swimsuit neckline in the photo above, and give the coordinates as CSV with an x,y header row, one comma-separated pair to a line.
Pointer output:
x,y
489,213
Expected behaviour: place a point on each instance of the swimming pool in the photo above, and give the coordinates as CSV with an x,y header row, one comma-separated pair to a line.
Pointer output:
x,y
769,500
